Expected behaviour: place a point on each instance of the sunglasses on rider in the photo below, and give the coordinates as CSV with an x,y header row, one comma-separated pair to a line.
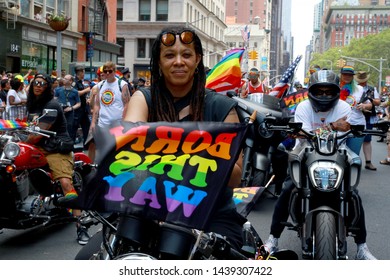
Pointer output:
x,y
40,83
108,71
169,38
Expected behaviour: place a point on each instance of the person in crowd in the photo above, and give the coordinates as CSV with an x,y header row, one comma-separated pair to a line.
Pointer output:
x,y
93,99
178,93
69,99
14,108
4,87
141,82
126,77
254,84
55,85
369,93
323,109
135,84
81,115
386,105
63,73
111,99
352,93
61,164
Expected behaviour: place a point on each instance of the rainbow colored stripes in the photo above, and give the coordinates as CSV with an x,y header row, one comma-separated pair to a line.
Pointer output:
x,y
226,74
10,125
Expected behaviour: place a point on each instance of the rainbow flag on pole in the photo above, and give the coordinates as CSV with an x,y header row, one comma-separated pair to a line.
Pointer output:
x,y
226,74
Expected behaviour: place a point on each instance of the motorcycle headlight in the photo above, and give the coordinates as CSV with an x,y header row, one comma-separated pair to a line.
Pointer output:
x,y
135,257
325,176
11,150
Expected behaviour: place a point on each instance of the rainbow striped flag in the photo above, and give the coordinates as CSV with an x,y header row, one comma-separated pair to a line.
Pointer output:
x,y
226,74
9,124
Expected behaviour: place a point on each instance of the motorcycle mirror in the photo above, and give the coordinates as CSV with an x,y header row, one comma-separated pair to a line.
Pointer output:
x,y
50,113
48,116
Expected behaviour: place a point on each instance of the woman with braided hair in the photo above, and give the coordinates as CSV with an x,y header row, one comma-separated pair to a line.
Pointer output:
x,y
178,93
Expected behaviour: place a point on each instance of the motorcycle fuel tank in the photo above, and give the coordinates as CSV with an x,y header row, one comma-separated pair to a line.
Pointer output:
x,y
29,157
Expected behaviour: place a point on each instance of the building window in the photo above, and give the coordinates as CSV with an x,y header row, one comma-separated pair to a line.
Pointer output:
x,y
96,20
141,47
119,10
144,10
119,14
162,10
121,42
151,42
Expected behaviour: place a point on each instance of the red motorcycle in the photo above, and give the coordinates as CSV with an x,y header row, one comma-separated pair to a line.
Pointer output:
x,y
28,194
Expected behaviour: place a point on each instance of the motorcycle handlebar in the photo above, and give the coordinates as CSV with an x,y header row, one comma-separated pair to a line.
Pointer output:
x,y
43,132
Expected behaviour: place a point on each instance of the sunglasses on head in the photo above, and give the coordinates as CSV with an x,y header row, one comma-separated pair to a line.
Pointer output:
x,y
169,38
108,71
40,83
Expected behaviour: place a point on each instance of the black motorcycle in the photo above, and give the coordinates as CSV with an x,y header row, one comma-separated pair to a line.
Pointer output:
x,y
262,147
145,215
324,208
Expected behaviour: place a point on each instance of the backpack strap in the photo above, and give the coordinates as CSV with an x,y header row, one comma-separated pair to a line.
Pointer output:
x,y
119,84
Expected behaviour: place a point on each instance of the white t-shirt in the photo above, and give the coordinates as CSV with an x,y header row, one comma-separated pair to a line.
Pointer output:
x,y
357,117
13,93
311,120
111,104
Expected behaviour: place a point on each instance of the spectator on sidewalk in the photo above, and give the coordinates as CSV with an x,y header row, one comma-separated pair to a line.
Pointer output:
x,y
369,93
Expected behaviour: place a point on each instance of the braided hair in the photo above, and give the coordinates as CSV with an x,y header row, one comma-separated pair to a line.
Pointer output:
x,y
162,100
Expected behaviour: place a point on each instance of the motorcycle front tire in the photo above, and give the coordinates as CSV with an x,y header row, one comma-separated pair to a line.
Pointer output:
x,y
325,237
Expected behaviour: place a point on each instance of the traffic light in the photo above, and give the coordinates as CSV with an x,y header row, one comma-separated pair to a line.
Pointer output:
x,y
249,54
253,55
341,63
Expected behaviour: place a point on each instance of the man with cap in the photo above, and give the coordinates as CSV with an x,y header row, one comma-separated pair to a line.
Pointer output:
x,y
126,77
81,116
369,93
141,82
352,93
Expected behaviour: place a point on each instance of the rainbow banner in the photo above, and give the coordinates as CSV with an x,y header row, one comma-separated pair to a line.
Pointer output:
x,y
173,172
12,124
226,74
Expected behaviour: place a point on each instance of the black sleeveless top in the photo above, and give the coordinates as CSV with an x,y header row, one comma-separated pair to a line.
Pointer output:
x,y
217,106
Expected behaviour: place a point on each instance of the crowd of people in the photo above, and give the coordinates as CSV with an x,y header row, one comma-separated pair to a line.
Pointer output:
x,y
178,76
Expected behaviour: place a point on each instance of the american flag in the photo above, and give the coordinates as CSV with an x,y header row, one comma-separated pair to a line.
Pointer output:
x,y
286,79
245,33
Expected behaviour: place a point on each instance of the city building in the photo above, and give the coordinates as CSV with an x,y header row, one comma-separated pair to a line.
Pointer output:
x,y
139,22
30,43
265,19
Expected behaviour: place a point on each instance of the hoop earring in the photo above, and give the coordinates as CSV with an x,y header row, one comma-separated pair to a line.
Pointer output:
x,y
159,72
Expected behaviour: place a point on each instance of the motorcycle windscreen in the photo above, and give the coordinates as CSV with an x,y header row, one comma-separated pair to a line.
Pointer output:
x,y
171,172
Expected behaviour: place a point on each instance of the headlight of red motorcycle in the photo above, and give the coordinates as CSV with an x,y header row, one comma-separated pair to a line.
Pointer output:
x,y
11,150
325,175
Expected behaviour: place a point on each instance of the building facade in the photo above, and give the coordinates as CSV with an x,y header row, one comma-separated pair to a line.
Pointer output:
x,y
136,30
30,43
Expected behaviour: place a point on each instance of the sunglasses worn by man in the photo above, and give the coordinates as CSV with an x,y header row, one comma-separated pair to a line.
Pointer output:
x,y
108,71
169,38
